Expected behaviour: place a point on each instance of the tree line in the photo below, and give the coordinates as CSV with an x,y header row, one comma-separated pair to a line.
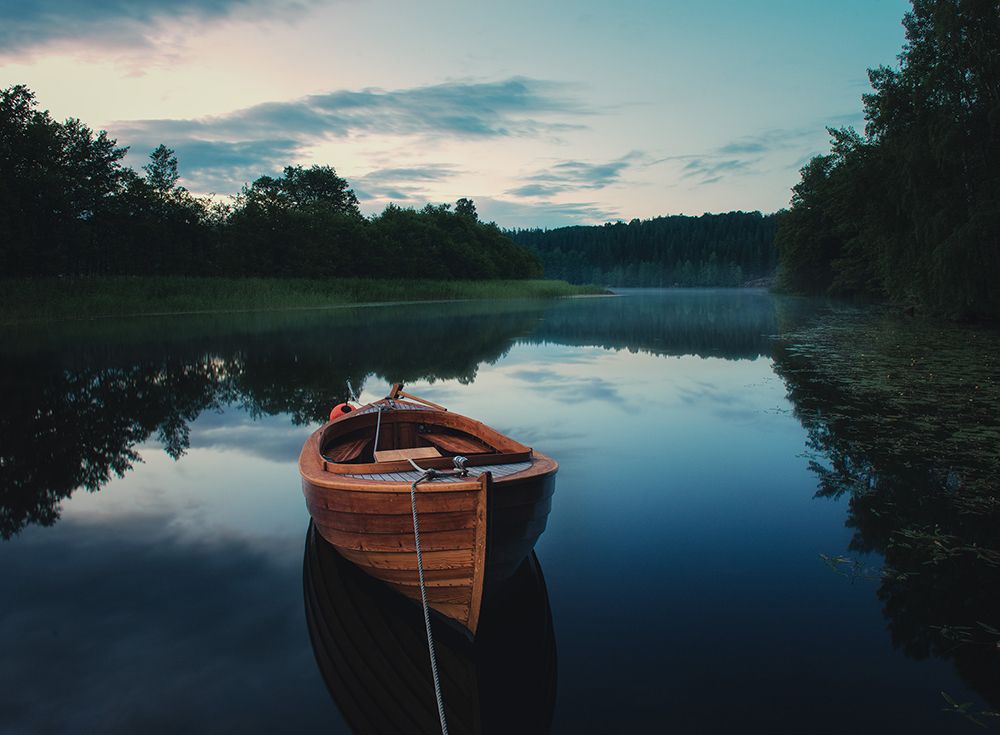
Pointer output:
x,y
710,250
910,209
70,207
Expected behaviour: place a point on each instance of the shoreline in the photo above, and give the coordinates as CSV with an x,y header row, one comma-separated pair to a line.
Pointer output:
x,y
41,301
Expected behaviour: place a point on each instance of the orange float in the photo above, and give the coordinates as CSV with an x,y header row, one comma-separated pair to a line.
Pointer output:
x,y
339,410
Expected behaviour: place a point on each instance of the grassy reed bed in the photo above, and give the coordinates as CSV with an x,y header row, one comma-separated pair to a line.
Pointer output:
x,y
23,300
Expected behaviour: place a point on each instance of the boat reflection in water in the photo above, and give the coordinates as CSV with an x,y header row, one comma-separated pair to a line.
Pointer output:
x,y
371,648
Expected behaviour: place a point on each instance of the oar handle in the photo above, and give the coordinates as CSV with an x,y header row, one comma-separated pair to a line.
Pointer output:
x,y
397,391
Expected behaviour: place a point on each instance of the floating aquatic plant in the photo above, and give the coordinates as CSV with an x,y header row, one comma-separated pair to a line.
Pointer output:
x,y
903,421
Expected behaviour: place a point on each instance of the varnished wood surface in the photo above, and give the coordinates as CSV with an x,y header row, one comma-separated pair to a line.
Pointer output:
x,y
454,550
401,429
466,524
443,463
349,451
457,444
396,455
392,501
371,651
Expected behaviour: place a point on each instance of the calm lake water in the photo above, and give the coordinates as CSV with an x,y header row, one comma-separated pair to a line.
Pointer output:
x,y
762,522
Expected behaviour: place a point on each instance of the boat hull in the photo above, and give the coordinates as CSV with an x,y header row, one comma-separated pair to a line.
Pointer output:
x,y
372,651
374,530
473,531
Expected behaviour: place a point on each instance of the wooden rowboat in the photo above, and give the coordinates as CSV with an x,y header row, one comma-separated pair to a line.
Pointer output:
x,y
479,517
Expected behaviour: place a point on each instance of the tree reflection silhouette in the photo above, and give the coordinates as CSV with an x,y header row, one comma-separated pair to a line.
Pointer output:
x,y
76,410
79,397
901,419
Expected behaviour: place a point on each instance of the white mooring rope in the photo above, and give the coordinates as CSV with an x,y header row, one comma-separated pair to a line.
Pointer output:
x,y
378,427
423,598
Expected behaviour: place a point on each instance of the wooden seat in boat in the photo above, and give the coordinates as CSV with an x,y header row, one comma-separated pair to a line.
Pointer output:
x,y
394,455
457,444
347,452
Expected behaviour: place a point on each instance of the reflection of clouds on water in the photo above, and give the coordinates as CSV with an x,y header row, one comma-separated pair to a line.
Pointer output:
x,y
268,437
721,402
699,391
584,389
147,633
738,414
569,389
534,376
564,446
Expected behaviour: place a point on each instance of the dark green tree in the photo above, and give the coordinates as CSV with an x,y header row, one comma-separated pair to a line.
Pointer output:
x,y
161,171
317,187
167,226
912,208
466,208
57,184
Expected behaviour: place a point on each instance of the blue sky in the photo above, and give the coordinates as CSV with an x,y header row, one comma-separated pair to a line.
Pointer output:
x,y
545,113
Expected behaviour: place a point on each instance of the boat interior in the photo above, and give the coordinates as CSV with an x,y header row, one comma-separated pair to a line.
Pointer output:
x,y
407,430
399,439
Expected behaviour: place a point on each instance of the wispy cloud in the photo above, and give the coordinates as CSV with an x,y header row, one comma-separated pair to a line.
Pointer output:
x,y
121,24
460,109
536,190
581,173
709,170
765,142
744,147
401,184
745,154
570,389
562,177
470,109
575,175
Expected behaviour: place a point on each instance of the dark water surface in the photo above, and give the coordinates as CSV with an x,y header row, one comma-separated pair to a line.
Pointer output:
x,y
771,516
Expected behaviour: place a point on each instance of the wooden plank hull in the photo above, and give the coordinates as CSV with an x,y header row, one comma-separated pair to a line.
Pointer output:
x,y
371,649
474,530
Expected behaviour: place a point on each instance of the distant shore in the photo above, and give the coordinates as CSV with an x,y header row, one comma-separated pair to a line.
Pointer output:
x,y
52,299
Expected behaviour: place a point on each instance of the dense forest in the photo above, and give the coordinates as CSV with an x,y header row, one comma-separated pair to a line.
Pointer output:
x,y
711,250
910,209
69,207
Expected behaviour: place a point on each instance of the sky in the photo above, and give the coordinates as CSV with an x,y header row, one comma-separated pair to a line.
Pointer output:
x,y
544,113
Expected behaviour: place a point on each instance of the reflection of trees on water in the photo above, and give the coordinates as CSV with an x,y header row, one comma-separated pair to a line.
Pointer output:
x,y
902,419
64,428
734,324
78,401
75,409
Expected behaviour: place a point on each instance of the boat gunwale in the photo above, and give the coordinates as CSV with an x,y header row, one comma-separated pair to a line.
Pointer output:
x,y
322,473
540,465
